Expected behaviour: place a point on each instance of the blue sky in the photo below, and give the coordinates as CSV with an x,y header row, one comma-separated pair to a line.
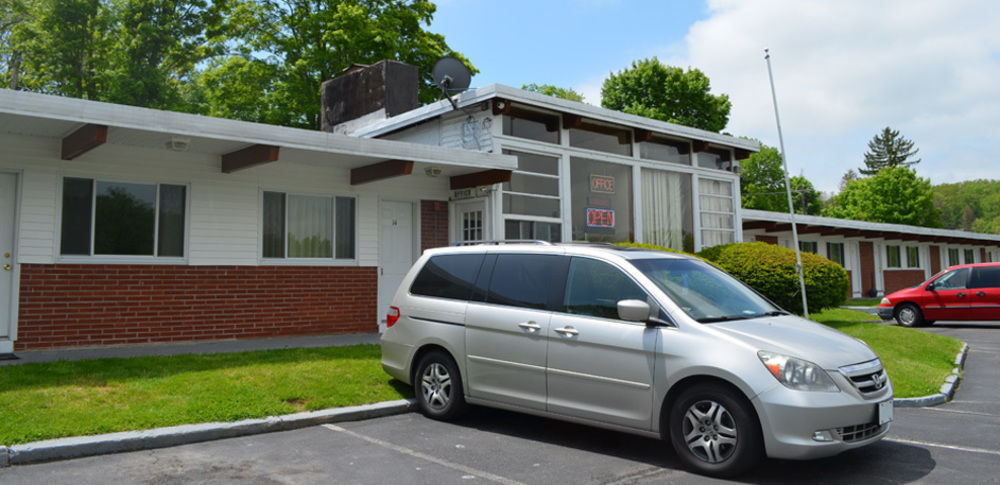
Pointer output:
x,y
843,69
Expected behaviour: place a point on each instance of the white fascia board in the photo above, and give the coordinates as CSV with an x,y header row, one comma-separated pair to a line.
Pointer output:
x,y
759,215
21,103
555,104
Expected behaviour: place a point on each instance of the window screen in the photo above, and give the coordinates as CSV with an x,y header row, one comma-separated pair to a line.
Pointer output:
x,y
448,276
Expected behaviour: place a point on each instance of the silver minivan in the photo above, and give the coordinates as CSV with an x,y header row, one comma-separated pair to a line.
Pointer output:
x,y
646,342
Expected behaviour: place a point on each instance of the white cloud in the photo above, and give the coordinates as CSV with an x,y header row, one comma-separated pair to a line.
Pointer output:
x,y
845,69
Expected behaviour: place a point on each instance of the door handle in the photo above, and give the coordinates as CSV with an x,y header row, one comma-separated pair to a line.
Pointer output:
x,y
532,326
980,293
567,331
960,295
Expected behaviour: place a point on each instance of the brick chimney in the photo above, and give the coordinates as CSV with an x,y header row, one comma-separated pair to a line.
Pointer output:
x,y
367,94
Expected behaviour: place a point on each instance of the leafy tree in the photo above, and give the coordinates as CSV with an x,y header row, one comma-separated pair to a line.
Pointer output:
x,y
307,42
762,185
848,176
972,205
895,195
13,15
550,90
666,93
888,149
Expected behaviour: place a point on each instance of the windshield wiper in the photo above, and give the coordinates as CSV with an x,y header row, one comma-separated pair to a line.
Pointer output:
x,y
726,318
774,313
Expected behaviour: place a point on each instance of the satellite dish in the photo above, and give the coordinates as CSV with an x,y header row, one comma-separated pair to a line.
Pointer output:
x,y
451,75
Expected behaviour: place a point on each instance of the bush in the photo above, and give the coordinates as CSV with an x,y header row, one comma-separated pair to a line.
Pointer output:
x,y
770,269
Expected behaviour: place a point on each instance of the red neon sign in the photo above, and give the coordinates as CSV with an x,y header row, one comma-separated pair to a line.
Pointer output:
x,y
604,184
604,218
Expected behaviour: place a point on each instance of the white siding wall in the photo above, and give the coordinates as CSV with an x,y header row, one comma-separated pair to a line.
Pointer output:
x,y
224,209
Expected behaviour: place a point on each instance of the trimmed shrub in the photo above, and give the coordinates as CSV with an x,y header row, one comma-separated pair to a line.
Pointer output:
x,y
770,269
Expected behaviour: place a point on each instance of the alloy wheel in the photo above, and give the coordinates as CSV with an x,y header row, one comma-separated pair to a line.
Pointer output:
x,y
436,386
710,431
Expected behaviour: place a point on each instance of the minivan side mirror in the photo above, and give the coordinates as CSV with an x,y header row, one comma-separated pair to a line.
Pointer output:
x,y
633,310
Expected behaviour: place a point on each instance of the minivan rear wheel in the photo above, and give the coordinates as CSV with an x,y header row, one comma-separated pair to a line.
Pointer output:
x,y
438,387
909,315
714,431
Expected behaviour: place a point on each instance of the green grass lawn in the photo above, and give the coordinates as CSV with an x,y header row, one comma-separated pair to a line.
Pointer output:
x,y
863,302
56,399
917,361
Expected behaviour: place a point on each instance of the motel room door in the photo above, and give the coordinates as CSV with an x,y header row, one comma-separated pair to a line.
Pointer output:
x,y
468,221
8,200
395,255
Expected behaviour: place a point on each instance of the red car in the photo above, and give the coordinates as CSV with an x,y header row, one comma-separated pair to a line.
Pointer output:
x,y
961,292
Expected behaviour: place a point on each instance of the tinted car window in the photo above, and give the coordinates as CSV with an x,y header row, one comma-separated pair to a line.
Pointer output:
x,y
952,280
985,277
448,276
595,287
526,280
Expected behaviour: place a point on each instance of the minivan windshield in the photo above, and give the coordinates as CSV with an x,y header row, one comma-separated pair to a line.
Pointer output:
x,y
704,292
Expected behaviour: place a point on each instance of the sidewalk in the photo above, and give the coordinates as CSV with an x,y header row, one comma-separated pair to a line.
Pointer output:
x,y
211,347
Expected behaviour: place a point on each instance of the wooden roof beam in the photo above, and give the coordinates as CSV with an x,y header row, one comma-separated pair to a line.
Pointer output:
x,y
83,140
248,157
486,177
380,171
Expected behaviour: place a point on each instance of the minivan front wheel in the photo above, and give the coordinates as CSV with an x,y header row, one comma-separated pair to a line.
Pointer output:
x,y
715,431
438,387
909,315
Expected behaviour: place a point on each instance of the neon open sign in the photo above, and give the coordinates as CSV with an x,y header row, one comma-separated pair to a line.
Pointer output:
x,y
601,218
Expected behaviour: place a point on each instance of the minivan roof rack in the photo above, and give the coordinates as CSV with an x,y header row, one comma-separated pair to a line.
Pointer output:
x,y
503,241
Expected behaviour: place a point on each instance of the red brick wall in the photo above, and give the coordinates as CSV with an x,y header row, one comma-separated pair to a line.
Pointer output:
x,y
767,239
77,305
935,259
867,253
897,279
433,224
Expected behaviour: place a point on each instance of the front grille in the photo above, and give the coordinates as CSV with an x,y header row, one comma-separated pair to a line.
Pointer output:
x,y
859,432
868,377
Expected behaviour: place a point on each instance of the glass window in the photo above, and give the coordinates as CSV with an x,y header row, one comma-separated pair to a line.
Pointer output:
x,y
664,150
122,219
531,125
970,256
299,226
717,158
448,276
809,247
667,217
717,212
835,252
912,257
892,258
594,288
985,277
530,206
545,231
601,138
527,280
953,257
601,196
952,280
533,189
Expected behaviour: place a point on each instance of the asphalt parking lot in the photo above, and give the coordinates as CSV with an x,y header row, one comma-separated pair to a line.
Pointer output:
x,y
955,443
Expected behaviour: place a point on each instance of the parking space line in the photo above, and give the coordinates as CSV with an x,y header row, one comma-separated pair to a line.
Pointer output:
x,y
950,447
416,454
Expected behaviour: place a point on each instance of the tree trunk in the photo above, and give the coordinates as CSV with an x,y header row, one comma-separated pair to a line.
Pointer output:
x,y
15,71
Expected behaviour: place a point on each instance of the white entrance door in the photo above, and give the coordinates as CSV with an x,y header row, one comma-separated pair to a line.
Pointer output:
x,y
8,191
395,253
469,221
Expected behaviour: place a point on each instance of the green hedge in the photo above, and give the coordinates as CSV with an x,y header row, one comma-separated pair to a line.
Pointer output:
x,y
770,269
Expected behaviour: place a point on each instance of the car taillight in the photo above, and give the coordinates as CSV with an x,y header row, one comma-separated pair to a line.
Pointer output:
x,y
391,317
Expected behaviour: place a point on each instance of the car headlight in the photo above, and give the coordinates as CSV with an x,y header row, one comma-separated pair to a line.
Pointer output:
x,y
796,373
885,301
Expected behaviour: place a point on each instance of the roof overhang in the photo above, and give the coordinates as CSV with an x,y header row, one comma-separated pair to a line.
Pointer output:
x,y
31,114
771,222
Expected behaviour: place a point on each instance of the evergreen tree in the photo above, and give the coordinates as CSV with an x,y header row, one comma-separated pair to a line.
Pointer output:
x,y
888,149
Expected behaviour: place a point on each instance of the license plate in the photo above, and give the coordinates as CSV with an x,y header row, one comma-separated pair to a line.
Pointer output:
x,y
884,412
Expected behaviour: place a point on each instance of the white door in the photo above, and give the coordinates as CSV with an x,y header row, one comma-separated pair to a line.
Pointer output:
x,y
8,191
469,221
395,253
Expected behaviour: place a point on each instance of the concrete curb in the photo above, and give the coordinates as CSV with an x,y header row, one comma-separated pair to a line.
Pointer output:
x,y
947,391
81,446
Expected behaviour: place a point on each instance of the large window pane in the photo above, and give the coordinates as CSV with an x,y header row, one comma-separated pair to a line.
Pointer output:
x,y
666,151
715,200
531,125
171,221
531,162
611,140
667,217
602,200
310,227
345,228
715,158
274,225
78,196
835,252
531,206
544,231
531,184
124,219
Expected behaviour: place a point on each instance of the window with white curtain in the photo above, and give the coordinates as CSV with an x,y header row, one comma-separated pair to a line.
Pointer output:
x,y
305,226
715,198
667,218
